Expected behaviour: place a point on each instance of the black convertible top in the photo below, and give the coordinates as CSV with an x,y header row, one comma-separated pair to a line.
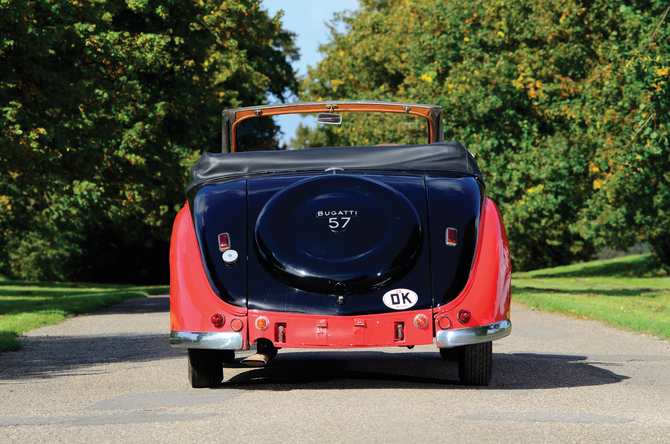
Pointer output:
x,y
444,157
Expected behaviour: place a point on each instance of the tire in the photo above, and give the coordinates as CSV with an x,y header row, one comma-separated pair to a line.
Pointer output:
x,y
475,364
205,367
228,356
449,354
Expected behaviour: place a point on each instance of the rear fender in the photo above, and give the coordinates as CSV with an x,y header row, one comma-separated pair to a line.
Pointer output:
x,y
192,300
488,290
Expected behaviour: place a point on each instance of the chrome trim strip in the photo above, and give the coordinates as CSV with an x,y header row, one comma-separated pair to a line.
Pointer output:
x,y
473,335
206,339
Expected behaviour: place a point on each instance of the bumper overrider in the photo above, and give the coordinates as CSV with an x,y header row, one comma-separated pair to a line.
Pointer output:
x,y
209,340
473,335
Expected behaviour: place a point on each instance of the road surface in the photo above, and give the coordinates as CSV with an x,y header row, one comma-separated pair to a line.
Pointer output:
x,y
111,376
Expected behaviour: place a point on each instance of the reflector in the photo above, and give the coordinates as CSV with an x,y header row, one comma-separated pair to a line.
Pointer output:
x,y
444,322
224,242
452,237
262,323
236,324
420,321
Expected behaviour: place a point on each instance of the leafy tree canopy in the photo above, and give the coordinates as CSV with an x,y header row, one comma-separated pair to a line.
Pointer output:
x,y
105,105
565,106
364,129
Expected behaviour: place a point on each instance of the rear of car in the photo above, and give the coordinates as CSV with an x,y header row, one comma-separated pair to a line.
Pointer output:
x,y
339,247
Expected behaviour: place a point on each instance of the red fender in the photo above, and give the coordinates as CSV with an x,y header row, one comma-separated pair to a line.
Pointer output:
x,y
192,300
487,293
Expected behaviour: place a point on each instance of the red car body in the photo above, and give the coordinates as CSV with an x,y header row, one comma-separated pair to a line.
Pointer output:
x,y
200,319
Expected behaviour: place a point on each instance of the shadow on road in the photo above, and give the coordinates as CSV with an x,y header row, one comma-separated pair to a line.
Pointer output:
x,y
53,356
48,357
318,370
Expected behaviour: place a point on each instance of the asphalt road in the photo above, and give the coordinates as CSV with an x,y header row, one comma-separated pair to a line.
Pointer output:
x,y
111,376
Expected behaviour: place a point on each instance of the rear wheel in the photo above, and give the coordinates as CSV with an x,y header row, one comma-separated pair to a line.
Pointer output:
x,y
475,364
449,354
205,367
228,356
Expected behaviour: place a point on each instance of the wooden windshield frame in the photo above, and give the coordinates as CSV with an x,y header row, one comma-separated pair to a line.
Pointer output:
x,y
231,118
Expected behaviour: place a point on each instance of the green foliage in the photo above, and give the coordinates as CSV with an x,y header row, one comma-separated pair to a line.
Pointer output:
x,y
565,107
364,129
313,137
603,291
42,255
26,306
105,106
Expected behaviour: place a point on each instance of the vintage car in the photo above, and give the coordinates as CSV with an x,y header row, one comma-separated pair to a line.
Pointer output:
x,y
366,230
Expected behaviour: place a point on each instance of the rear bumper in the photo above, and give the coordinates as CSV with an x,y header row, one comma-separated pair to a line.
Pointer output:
x,y
445,338
293,330
210,340
473,335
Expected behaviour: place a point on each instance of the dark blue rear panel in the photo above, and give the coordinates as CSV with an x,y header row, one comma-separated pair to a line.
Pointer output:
x,y
223,209
453,202
316,244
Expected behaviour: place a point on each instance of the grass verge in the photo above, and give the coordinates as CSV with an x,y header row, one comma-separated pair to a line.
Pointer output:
x,y
609,291
25,306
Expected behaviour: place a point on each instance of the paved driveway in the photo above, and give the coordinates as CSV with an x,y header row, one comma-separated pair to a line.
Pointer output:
x,y
111,376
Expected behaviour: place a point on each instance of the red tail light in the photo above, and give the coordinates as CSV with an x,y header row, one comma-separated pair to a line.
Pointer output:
x,y
452,237
464,316
218,320
224,242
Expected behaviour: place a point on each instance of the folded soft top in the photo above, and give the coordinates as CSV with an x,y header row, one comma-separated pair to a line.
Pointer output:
x,y
446,157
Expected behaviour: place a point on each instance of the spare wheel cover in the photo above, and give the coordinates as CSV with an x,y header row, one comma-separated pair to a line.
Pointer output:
x,y
338,234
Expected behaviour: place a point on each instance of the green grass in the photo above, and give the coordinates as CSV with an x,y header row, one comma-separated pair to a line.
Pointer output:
x,y
614,291
25,306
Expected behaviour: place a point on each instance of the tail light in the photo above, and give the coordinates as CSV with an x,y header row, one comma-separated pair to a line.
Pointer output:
x,y
218,320
464,316
452,237
224,242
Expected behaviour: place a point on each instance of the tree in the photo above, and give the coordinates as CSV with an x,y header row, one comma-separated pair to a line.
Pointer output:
x,y
565,108
361,129
105,106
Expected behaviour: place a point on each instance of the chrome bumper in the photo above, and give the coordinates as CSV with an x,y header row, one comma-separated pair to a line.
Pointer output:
x,y
211,340
473,335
